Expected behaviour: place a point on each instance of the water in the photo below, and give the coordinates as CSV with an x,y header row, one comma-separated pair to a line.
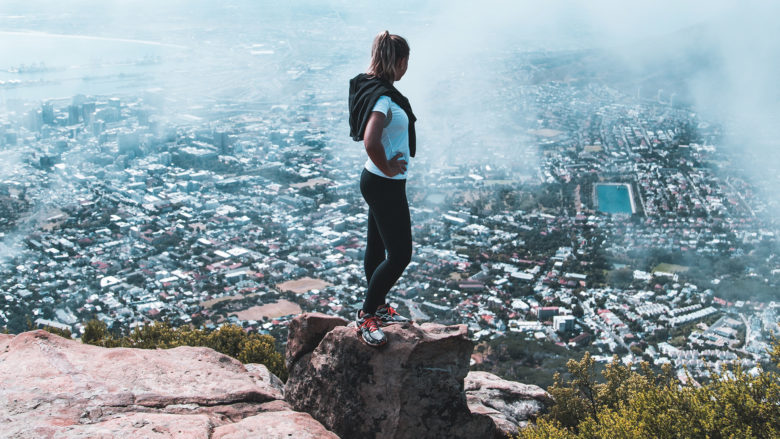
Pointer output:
x,y
60,66
614,198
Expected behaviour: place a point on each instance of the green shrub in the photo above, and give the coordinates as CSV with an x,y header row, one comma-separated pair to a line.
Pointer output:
x,y
61,332
644,404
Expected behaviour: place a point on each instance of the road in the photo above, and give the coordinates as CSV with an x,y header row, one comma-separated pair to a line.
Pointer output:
x,y
747,329
415,313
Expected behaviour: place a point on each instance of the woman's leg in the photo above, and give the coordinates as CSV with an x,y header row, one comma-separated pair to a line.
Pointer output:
x,y
375,248
389,209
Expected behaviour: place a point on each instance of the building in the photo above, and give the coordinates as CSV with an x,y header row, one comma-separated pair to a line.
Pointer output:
x,y
543,313
563,323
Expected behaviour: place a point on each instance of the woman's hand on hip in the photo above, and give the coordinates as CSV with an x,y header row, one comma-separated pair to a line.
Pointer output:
x,y
397,165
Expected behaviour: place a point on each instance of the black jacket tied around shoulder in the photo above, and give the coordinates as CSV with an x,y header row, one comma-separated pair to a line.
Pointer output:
x,y
364,91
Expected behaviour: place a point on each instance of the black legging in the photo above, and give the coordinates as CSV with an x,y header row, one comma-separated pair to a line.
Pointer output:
x,y
389,228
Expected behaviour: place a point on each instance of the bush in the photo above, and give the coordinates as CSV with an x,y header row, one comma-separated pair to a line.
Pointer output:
x,y
65,333
644,404
230,340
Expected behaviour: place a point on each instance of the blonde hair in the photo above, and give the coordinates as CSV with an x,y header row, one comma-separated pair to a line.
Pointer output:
x,y
386,51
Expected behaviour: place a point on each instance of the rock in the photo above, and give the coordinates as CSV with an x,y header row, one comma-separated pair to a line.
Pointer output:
x,y
273,425
55,387
135,425
510,404
305,333
410,388
271,382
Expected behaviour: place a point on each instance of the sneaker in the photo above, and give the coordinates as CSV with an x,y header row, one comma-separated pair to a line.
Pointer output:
x,y
368,328
388,315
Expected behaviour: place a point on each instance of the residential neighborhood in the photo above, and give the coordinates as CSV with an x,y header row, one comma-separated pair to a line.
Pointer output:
x,y
608,227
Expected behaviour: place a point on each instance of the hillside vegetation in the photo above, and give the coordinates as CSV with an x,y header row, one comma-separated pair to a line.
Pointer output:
x,y
640,403
230,340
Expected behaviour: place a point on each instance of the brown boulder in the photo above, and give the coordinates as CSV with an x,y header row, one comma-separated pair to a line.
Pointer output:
x,y
510,404
410,388
275,425
305,333
55,387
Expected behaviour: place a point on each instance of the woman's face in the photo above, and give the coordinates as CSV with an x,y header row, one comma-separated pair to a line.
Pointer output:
x,y
401,67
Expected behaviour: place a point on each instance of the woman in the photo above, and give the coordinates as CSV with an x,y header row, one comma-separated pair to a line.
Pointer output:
x,y
382,118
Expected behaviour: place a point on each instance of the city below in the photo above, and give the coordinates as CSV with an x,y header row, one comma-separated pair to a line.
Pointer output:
x,y
611,224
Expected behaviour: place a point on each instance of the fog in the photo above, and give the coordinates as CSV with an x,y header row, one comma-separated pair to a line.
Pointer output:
x,y
202,52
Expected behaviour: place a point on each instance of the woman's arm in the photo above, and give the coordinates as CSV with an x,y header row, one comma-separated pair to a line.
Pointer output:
x,y
376,151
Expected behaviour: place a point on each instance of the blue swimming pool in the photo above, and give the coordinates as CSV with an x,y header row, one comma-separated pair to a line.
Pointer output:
x,y
614,198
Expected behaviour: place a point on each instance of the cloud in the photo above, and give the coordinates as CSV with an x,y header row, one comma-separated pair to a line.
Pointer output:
x,y
246,50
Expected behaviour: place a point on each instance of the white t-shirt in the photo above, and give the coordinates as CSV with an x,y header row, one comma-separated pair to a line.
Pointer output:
x,y
395,135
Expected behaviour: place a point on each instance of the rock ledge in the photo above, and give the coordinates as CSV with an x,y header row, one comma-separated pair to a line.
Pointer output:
x,y
55,387
411,387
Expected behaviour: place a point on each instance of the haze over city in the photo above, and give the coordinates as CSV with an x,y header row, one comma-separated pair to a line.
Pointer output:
x,y
590,175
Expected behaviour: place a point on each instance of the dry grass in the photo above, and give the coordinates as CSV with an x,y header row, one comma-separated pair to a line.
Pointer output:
x,y
269,310
303,285
211,302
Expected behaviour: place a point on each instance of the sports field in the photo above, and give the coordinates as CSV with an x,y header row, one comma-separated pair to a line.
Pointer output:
x,y
269,310
670,268
303,285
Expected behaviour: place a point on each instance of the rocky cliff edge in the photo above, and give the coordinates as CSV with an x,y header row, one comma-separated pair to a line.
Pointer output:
x,y
416,386
53,387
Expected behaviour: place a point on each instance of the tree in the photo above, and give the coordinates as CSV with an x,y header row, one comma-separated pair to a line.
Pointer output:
x,y
644,404
621,278
578,397
94,332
